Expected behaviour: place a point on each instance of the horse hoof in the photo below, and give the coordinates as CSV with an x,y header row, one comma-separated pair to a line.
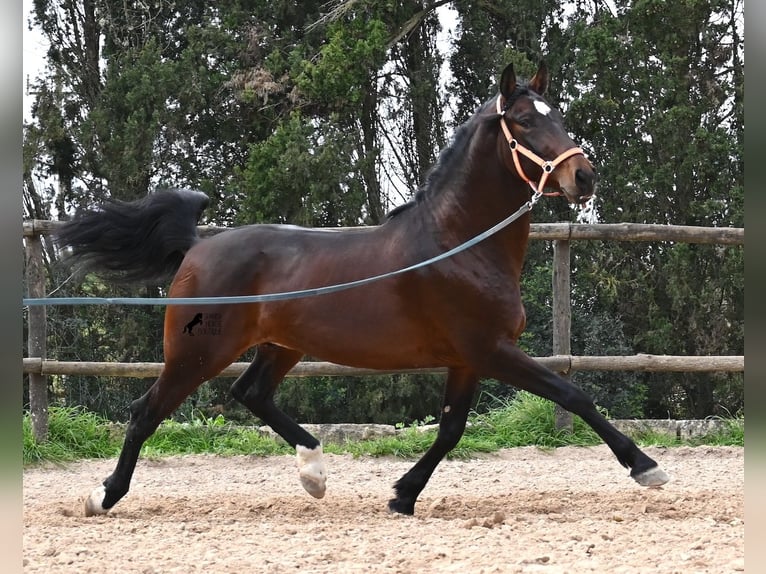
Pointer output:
x,y
652,477
311,469
314,487
401,507
94,503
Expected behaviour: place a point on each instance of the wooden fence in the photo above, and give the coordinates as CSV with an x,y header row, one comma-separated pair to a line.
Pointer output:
x,y
38,367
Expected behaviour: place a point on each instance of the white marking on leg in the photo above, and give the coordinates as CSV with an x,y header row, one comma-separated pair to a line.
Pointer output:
x,y
311,470
542,107
94,504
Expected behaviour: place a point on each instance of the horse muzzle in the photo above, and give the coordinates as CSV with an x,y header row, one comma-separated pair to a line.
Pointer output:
x,y
576,179
585,182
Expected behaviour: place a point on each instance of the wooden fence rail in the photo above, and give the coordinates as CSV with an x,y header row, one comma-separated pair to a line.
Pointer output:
x,y
38,367
548,231
559,363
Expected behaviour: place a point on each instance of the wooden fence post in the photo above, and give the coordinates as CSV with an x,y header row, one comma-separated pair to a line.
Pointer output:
x,y
562,318
36,337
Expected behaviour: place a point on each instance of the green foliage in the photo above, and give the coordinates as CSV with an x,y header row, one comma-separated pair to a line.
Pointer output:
x,y
73,433
537,295
211,436
665,137
342,74
529,420
489,39
101,333
128,117
622,395
384,399
295,176
412,442
284,112
732,433
526,420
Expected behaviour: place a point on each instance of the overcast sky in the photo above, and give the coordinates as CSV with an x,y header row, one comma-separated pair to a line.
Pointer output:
x,y
34,54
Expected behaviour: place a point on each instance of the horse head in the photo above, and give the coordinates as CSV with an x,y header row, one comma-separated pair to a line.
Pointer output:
x,y
535,144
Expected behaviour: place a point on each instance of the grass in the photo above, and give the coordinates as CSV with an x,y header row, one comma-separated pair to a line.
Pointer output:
x,y
527,420
73,433
731,433
211,436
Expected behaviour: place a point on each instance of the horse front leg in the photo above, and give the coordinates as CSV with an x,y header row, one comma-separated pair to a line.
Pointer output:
x,y
511,365
255,389
459,391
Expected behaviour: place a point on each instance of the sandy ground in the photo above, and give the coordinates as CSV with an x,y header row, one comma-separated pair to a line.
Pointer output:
x,y
568,510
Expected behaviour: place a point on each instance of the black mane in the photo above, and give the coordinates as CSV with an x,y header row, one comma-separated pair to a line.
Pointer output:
x,y
446,161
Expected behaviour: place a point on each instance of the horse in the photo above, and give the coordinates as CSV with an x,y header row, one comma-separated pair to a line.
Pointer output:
x,y
464,312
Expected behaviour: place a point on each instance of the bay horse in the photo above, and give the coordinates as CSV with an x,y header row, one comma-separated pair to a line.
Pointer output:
x,y
464,312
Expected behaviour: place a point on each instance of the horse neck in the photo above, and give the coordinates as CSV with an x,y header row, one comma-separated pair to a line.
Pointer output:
x,y
479,191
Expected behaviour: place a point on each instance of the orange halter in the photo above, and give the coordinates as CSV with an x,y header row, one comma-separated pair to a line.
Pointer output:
x,y
547,166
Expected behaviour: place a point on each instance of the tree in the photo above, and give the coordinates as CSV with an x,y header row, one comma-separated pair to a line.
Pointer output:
x,y
655,95
328,114
133,100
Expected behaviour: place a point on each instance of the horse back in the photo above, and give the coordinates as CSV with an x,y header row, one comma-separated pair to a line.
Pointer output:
x,y
361,326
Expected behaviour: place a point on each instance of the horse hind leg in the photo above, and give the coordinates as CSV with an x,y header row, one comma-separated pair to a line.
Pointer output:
x,y
459,391
189,362
255,389
146,414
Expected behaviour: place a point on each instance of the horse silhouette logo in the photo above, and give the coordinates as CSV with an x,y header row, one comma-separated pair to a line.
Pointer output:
x,y
193,323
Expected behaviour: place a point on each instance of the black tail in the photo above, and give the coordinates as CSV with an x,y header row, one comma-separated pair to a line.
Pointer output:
x,y
138,241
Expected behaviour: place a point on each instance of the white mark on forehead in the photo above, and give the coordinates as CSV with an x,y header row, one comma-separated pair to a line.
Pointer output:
x,y
542,107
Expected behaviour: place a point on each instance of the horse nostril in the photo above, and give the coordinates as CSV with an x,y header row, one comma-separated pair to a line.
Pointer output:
x,y
585,180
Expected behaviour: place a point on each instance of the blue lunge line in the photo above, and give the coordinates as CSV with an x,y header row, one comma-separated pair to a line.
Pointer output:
x,y
275,296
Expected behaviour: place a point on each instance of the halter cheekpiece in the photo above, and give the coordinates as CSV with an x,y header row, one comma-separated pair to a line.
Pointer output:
x,y
517,148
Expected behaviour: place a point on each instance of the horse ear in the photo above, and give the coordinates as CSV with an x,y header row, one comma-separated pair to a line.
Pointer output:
x,y
508,81
540,82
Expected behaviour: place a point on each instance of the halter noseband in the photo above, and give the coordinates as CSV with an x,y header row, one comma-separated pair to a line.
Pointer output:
x,y
517,148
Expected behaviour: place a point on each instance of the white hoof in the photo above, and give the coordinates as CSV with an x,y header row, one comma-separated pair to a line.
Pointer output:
x,y
311,470
652,477
94,503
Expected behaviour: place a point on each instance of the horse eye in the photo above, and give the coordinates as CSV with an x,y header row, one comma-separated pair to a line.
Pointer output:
x,y
523,122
